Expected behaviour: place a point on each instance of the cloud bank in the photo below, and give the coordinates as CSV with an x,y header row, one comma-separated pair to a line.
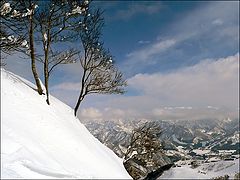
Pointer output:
x,y
208,89
211,82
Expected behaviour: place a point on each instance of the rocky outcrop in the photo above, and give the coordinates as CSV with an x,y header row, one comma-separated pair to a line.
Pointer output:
x,y
155,174
141,168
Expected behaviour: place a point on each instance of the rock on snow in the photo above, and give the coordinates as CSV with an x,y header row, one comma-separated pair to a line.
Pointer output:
x,y
41,141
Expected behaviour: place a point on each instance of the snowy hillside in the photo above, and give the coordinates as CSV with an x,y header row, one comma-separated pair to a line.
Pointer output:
x,y
41,141
203,171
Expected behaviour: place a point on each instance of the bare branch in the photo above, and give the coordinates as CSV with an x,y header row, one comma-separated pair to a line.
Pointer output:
x,y
100,76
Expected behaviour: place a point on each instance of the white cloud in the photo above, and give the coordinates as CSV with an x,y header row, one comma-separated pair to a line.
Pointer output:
x,y
209,82
208,89
108,113
69,86
192,114
91,113
144,56
146,53
143,42
217,22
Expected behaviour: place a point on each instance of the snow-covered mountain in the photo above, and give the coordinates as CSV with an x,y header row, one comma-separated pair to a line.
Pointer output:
x,y
212,144
210,134
42,141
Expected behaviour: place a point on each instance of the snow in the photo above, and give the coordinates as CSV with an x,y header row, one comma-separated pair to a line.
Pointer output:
x,y
183,172
42,141
15,13
225,152
28,13
24,43
76,10
204,171
12,38
45,37
177,141
213,159
201,151
5,9
235,138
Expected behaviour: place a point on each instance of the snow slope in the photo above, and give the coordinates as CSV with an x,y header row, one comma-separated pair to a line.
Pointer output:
x,y
41,141
204,171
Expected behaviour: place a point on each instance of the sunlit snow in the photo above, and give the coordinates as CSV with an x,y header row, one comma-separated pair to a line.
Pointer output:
x,y
42,141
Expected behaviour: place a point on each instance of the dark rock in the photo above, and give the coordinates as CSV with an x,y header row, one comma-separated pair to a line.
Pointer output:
x,y
155,174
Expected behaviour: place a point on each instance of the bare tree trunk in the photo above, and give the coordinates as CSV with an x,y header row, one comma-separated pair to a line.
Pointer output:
x,y
77,106
46,84
32,54
81,96
46,75
46,63
78,102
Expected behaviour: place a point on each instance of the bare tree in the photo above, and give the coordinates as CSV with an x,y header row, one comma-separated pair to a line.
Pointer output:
x,y
51,24
99,74
145,157
8,42
18,21
56,26
31,6
145,139
10,39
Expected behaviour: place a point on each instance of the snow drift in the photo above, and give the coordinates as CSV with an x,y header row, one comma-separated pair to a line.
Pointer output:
x,y
41,141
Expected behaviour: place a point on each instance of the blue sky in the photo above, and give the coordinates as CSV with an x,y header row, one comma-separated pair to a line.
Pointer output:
x,y
129,26
168,50
132,26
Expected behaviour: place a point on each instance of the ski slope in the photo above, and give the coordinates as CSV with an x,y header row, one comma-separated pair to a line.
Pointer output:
x,y
42,141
